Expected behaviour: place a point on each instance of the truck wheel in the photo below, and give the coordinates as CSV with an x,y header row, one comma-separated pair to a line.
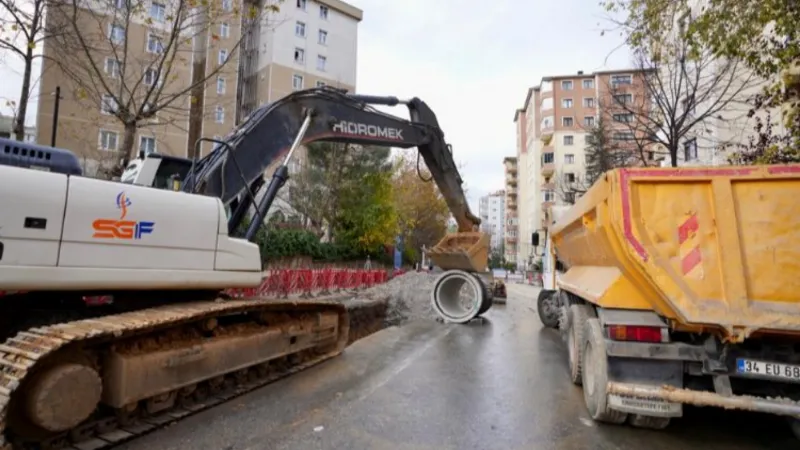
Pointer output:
x,y
578,315
595,374
547,307
651,422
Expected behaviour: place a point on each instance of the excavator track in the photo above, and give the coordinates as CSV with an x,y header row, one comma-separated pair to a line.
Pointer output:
x,y
94,383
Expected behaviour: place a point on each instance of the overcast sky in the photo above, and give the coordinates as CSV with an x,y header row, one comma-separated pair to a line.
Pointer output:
x,y
471,61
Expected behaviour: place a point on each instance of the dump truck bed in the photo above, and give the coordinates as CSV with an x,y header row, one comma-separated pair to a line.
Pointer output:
x,y
709,247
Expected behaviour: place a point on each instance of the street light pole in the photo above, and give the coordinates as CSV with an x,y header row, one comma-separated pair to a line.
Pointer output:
x,y
55,116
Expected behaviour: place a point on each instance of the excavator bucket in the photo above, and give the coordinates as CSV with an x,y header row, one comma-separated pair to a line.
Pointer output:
x,y
465,251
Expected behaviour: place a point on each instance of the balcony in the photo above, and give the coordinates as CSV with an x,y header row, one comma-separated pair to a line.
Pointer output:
x,y
547,205
511,180
548,161
548,186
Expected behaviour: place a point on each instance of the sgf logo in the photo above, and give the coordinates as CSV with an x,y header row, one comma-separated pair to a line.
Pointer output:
x,y
121,228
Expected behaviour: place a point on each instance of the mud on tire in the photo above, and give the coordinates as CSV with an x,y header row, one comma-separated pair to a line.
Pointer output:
x,y
595,375
578,315
547,308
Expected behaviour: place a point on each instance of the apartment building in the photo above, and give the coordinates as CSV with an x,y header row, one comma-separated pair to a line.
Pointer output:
x,y
492,212
552,131
308,43
512,210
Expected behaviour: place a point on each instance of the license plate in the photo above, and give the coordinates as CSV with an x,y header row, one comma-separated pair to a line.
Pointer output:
x,y
768,369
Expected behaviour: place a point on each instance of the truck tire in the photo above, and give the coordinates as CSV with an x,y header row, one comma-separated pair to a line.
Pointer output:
x,y
595,375
578,315
547,308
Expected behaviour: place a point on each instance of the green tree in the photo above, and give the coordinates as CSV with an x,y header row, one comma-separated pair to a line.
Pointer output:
x,y
346,190
763,35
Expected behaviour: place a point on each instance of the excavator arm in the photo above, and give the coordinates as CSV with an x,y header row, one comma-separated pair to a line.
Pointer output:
x,y
234,170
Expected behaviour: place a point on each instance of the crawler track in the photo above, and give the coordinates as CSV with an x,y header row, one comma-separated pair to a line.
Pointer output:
x,y
149,362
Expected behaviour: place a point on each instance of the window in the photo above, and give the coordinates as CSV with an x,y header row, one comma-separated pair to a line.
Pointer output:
x,y
619,80
569,177
588,84
547,122
323,37
297,82
569,158
587,139
147,144
569,140
112,67
222,56
588,102
150,77
220,85
566,103
623,99
548,158
321,62
569,197
116,33
323,12
300,29
299,55
227,5
301,4
623,136
108,140
158,11
320,83
549,196
154,44
588,121
690,150
108,105
566,85
547,103
624,118
219,114
224,30
567,121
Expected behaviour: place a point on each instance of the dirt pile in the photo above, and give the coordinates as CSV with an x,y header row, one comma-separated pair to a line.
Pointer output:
x,y
409,297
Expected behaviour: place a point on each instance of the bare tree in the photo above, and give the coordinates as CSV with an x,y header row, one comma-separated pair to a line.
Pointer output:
x,y
22,30
100,52
571,186
687,94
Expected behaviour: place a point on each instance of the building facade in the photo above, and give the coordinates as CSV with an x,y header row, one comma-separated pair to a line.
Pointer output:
x,y
553,129
512,209
492,211
250,62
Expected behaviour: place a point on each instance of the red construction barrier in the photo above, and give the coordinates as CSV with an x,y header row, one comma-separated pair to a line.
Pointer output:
x,y
310,282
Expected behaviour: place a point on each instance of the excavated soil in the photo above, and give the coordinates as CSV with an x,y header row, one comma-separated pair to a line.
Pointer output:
x,y
402,299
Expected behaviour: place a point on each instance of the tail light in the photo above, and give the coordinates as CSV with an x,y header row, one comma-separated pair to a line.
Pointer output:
x,y
637,333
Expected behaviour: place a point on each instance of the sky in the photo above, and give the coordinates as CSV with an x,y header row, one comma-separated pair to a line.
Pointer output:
x,y
471,61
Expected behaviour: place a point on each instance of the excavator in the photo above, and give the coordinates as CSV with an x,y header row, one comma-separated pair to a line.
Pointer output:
x,y
160,249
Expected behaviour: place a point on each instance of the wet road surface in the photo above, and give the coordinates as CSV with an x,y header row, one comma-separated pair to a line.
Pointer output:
x,y
497,385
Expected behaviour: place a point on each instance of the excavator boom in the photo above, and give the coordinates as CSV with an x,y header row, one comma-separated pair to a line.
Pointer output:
x,y
239,162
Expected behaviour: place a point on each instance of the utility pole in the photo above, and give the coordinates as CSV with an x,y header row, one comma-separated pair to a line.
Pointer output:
x,y
55,116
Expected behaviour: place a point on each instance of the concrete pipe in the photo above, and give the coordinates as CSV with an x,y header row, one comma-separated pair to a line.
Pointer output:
x,y
449,302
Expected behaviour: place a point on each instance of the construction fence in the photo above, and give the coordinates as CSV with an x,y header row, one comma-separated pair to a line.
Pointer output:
x,y
283,283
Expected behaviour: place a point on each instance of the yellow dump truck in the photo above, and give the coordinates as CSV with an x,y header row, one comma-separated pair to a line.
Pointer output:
x,y
680,286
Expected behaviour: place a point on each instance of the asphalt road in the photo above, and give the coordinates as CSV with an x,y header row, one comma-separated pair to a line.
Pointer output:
x,y
497,385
